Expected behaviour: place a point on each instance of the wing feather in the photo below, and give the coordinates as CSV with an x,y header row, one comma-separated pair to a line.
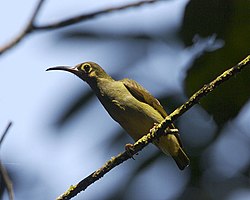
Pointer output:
x,y
143,95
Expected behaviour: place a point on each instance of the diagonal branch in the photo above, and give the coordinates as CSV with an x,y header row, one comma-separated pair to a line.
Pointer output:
x,y
32,27
28,29
3,172
155,132
83,17
5,133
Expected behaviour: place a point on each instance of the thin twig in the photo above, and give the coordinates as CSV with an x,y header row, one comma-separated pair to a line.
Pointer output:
x,y
155,132
83,17
32,27
3,172
5,133
28,29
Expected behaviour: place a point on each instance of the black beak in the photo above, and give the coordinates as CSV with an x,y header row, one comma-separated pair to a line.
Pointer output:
x,y
72,70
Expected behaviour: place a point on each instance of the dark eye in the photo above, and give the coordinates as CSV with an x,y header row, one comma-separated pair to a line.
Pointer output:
x,y
86,67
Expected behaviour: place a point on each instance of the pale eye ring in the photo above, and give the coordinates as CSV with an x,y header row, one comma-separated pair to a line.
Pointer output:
x,y
86,67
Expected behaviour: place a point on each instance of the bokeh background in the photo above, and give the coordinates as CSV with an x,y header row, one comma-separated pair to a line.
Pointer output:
x,y
61,133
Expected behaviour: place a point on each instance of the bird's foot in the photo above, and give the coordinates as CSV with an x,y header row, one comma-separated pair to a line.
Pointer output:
x,y
130,150
171,131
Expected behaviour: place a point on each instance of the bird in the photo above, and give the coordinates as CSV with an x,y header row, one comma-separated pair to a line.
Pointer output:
x,y
132,106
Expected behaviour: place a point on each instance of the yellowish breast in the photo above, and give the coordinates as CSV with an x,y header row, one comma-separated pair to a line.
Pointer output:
x,y
134,116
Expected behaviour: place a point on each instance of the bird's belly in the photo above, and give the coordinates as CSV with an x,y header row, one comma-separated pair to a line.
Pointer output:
x,y
137,118
136,128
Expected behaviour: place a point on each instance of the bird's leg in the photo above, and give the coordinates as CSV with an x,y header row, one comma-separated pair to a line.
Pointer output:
x,y
171,130
130,150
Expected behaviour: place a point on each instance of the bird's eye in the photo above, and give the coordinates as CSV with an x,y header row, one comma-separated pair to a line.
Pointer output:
x,y
86,67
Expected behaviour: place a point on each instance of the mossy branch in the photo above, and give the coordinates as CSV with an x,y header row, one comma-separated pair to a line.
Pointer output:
x,y
156,132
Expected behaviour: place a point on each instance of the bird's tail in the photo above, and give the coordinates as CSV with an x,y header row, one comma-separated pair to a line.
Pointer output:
x,y
169,144
181,159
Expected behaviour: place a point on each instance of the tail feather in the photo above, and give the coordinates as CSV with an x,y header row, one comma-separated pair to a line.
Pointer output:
x,y
181,159
170,145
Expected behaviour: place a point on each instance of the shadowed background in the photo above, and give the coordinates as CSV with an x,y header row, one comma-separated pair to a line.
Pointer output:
x,y
61,133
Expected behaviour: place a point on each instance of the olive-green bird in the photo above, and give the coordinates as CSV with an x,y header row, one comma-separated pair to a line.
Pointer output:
x,y
132,106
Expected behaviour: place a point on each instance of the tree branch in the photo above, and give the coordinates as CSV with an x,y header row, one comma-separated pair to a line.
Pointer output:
x,y
155,132
28,29
3,172
32,27
83,17
5,133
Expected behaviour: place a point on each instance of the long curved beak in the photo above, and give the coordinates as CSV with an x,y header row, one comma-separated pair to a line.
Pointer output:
x,y
72,70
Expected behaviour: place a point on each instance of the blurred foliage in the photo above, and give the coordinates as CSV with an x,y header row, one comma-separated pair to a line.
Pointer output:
x,y
228,20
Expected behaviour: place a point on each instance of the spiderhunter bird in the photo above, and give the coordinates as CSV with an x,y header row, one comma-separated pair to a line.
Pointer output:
x,y
132,106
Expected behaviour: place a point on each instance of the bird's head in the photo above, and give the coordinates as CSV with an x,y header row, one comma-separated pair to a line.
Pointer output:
x,y
87,71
